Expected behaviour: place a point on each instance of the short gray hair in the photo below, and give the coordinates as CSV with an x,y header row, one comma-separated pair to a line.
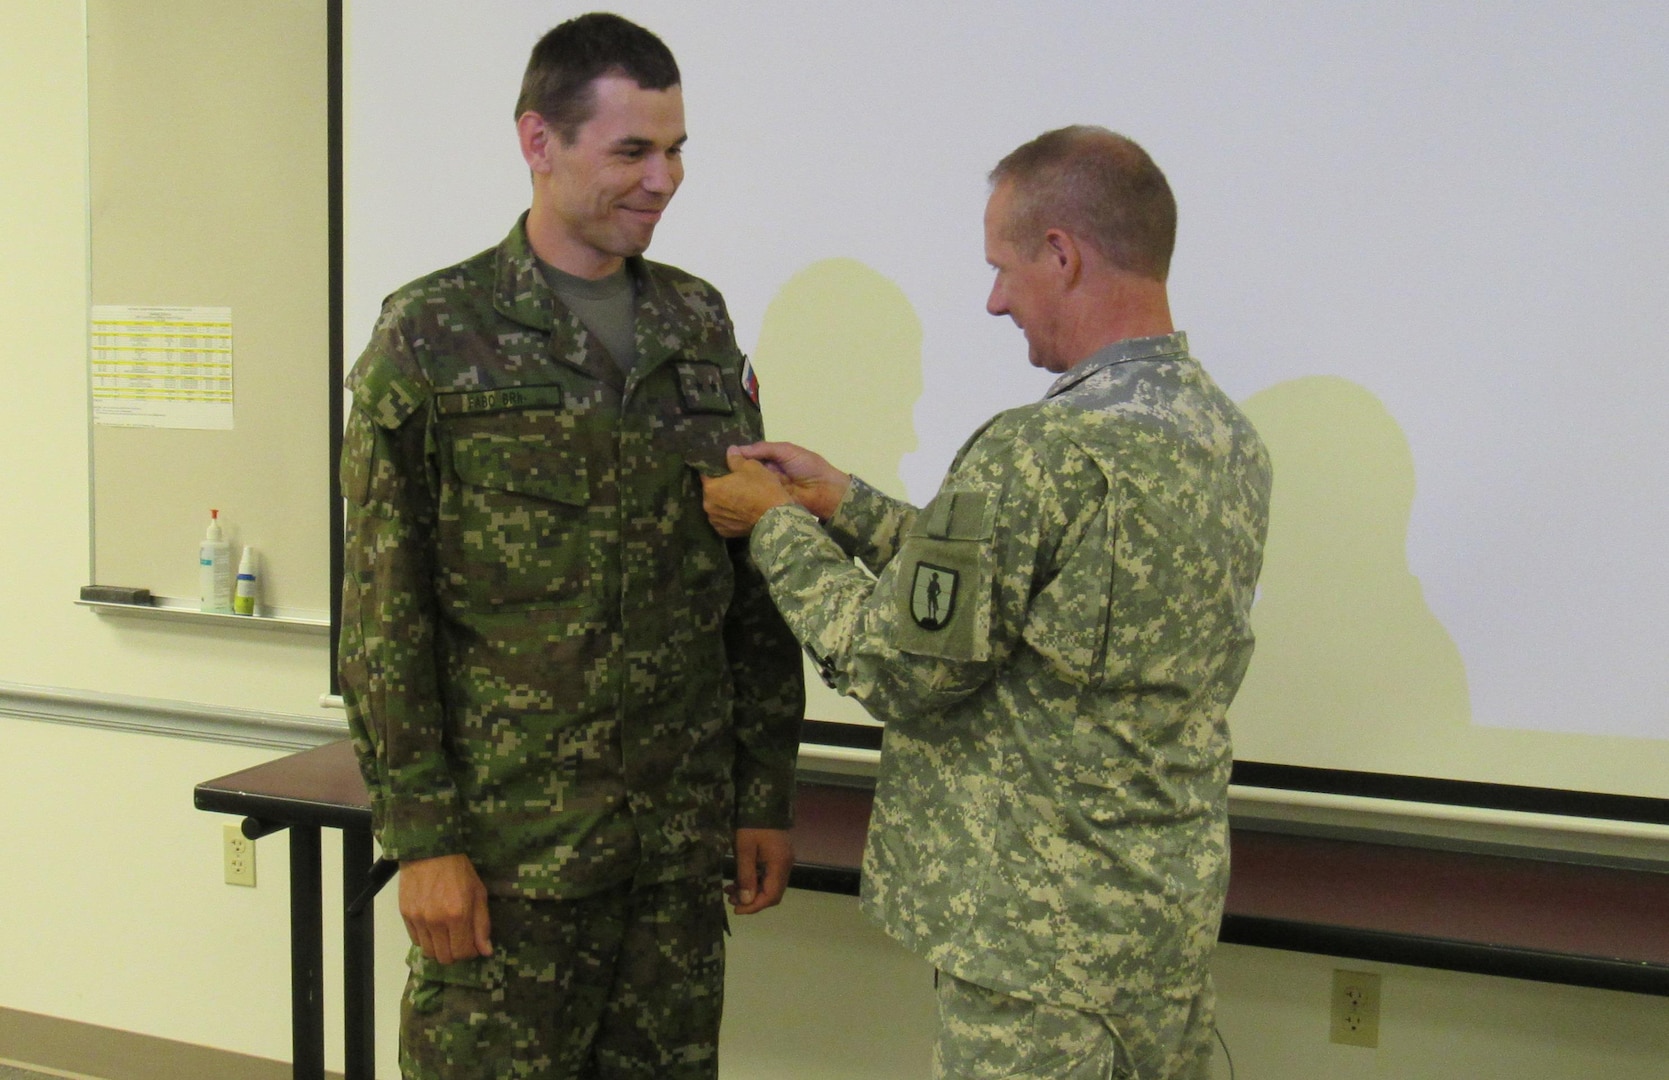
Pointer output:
x,y
1100,187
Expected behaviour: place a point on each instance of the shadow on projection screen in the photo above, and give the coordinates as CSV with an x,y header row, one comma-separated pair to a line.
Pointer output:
x,y
1423,246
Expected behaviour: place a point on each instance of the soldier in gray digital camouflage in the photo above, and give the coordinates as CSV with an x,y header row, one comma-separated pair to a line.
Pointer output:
x,y
1053,643
570,697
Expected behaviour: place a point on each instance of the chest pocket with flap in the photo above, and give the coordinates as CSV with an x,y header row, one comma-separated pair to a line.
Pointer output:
x,y
514,526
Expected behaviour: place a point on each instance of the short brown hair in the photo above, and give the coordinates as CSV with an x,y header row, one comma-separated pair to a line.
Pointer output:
x,y
1100,187
558,84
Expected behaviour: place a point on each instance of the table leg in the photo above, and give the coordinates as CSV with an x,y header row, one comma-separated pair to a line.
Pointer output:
x,y
358,957
307,1014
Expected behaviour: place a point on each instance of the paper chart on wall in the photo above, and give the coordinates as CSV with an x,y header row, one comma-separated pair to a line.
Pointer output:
x,y
162,367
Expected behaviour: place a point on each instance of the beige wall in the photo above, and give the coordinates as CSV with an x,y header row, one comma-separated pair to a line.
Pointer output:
x,y
111,908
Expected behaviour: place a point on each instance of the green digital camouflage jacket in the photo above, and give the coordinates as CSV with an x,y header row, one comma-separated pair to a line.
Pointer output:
x,y
1053,643
551,662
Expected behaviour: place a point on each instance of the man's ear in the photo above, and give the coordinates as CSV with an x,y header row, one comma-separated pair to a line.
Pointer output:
x,y
536,139
1061,248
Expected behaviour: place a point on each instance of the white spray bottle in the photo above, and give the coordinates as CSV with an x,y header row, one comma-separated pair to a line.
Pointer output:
x,y
243,599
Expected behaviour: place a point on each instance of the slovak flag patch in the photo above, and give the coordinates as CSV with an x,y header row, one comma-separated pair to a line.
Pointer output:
x,y
750,381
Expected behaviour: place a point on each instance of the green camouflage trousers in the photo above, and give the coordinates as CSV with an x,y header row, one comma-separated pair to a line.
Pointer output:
x,y
624,985
986,1035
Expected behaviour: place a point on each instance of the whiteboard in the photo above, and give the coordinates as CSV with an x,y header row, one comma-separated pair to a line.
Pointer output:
x,y
1423,244
195,207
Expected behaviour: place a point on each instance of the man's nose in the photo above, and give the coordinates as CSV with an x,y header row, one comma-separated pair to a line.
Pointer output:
x,y
662,175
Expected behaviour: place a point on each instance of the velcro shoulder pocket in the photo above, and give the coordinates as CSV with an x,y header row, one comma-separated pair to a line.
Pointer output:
x,y
359,443
942,591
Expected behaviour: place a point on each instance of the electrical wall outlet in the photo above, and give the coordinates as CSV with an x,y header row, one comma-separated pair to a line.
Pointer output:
x,y
237,852
1355,1008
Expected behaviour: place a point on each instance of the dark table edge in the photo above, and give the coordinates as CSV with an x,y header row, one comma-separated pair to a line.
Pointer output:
x,y
280,808
1596,972
817,877
1446,954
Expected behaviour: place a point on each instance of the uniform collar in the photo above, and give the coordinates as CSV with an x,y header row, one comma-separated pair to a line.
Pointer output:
x,y
1172,346
523,296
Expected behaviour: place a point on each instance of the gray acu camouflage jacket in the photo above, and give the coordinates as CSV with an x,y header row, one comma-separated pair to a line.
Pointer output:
x,y
551,661
1053,643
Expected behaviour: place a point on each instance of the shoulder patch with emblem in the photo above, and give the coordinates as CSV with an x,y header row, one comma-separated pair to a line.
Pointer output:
x,y
944,583
933,596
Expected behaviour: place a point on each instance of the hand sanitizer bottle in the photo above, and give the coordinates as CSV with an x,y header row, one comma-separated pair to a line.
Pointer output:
x,y
214,569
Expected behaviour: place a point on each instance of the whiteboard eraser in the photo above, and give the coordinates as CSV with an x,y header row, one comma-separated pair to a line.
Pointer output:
x,y
115,594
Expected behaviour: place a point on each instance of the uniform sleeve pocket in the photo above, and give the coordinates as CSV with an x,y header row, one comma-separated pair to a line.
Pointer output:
x,y
358,445
943,587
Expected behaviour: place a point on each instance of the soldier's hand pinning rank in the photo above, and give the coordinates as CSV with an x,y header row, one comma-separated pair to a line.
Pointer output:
x,y
735,503
814,483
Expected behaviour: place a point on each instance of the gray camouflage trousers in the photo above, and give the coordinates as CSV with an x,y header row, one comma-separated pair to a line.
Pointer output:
x,y
988,1035
624,985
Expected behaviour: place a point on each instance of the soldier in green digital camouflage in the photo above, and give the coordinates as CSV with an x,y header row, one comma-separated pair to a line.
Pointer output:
x,y
570,697
1053,643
